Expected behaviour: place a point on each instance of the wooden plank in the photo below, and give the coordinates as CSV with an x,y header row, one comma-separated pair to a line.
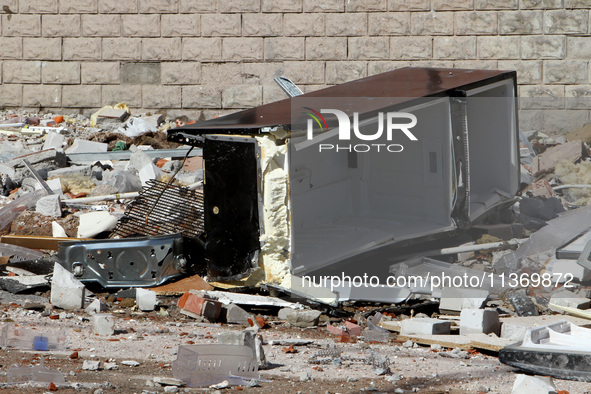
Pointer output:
x,y
485,342
37,242
450,341
194,282
472,341
584,313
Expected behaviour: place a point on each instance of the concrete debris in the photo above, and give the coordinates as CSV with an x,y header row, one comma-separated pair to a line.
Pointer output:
x,y
96,306
103,324
91,365
138,160
305,376
81,170
49,206
67,292
84,146
233,314
424,326
475,321
533,384
54,141
130,363
46,160
89,163
514,328
113,113
541,208
303,318
21,284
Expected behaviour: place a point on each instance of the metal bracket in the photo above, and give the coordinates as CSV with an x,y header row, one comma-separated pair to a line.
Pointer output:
x,y
137,262
288,86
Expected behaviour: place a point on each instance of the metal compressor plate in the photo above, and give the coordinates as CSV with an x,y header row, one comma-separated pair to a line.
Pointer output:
x,y
128,262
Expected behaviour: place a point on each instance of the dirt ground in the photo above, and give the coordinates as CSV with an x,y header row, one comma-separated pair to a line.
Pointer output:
x,y
152,340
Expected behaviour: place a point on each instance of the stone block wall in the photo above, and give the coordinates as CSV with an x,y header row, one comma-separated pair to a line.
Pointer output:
x,y
216,56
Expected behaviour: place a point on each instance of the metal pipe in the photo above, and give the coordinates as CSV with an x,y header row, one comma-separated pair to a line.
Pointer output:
x,y
487,246
571,187
109,197
118,196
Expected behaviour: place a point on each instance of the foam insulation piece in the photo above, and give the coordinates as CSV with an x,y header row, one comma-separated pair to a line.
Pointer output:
x,y
77,184
275,237
575,174
93,223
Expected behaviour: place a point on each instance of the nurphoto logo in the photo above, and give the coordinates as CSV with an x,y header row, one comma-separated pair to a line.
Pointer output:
x,y
392,125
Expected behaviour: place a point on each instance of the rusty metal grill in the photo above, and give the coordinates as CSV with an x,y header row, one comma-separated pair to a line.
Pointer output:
x,y
177,210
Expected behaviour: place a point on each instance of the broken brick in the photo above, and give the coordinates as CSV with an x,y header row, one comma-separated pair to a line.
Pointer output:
x,y
352,328
200,306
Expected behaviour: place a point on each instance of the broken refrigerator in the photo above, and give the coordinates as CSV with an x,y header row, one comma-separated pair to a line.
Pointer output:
x,y
333,183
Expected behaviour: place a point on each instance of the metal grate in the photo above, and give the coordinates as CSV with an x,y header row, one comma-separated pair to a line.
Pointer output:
x,y
178,210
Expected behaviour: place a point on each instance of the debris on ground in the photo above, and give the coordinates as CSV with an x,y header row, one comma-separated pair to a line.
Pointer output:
x,y
105,275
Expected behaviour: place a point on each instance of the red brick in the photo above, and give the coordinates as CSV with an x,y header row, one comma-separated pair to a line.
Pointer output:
x,y
201,306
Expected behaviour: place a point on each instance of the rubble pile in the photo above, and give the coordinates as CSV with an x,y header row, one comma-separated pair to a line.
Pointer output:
x,y
77,190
